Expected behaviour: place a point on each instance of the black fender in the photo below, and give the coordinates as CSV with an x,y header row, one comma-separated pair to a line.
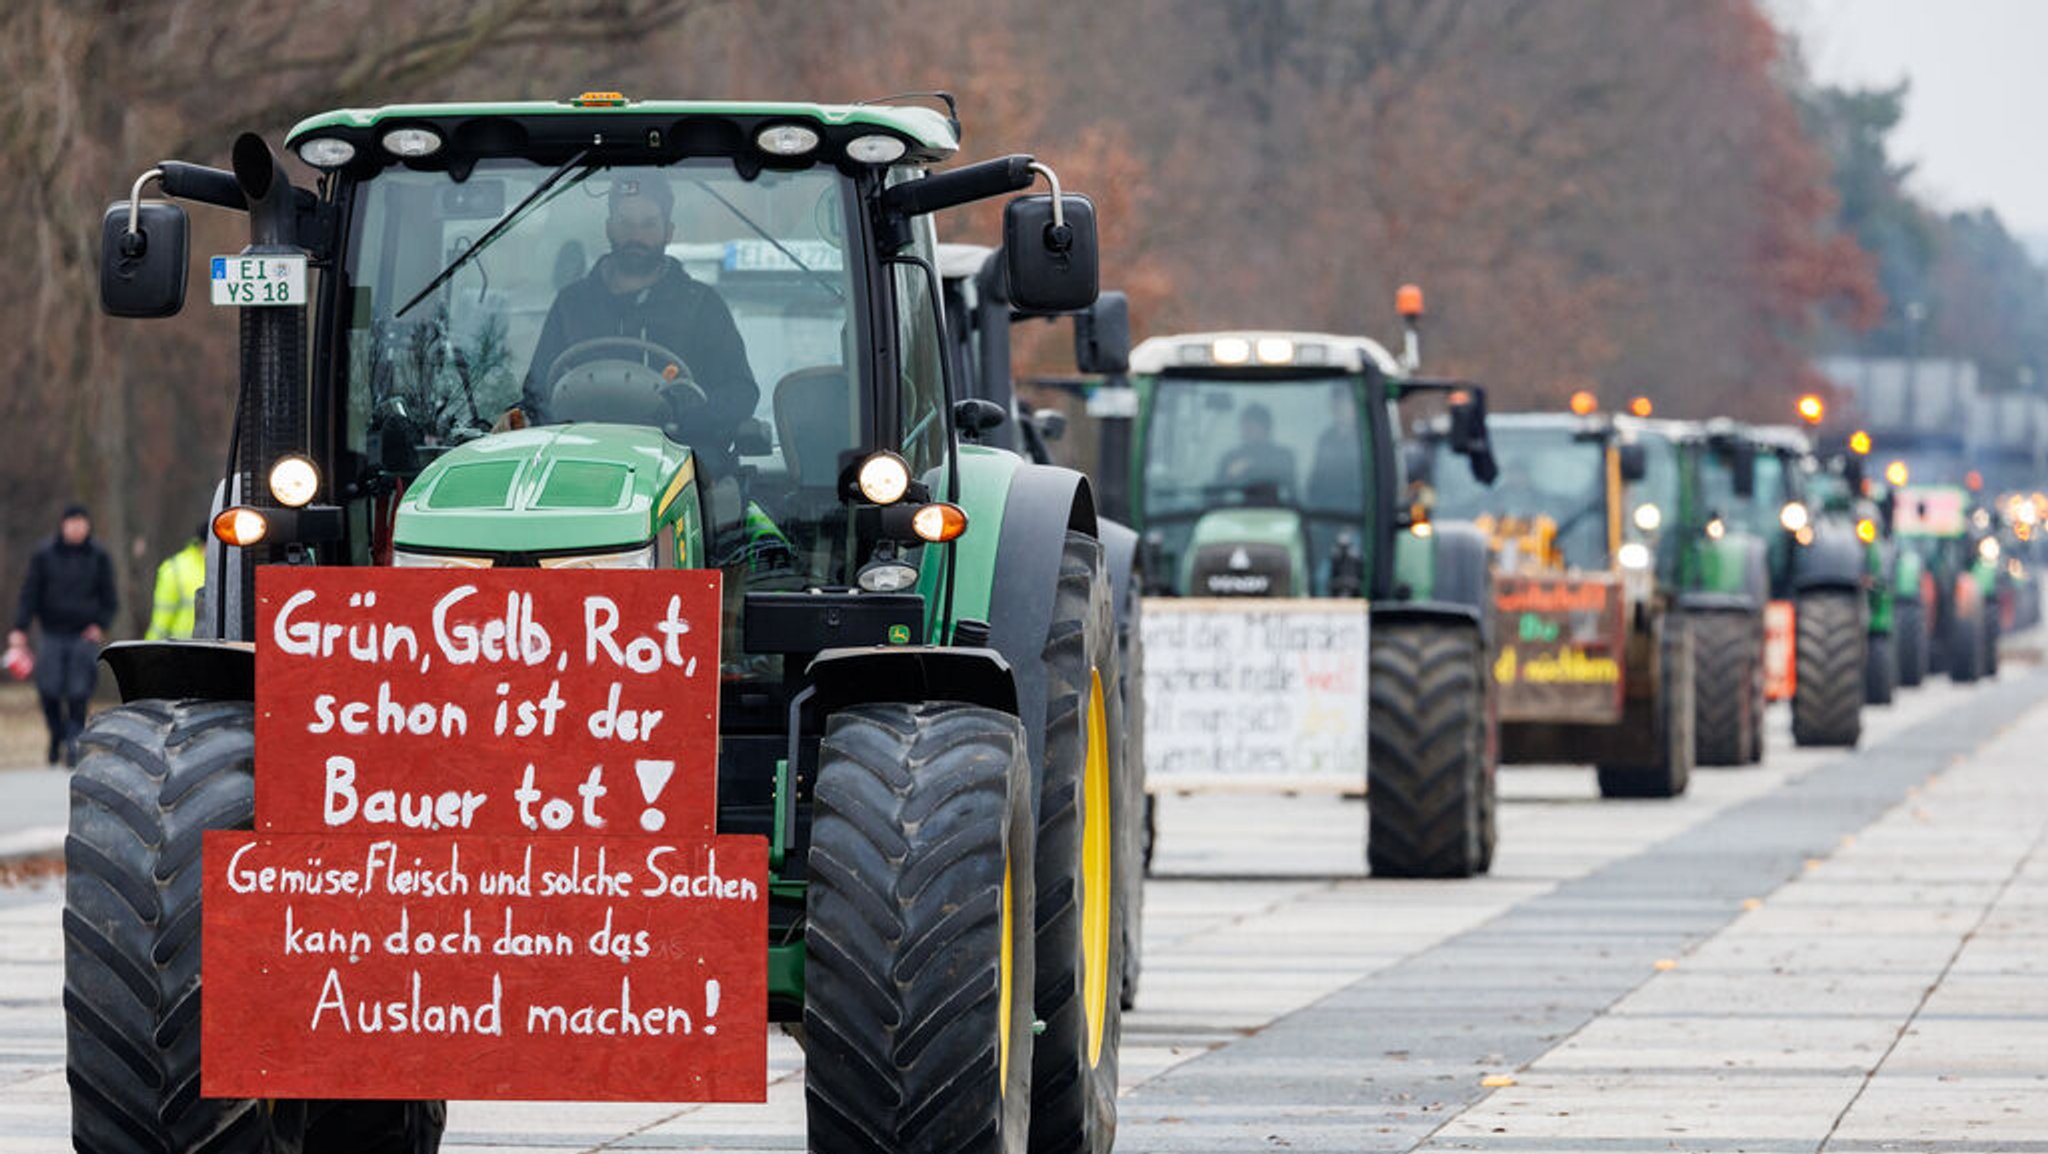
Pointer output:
x,y
1834,560
1702,602
1120,557
1453,612
907,674
1463,566
1043,504
207,670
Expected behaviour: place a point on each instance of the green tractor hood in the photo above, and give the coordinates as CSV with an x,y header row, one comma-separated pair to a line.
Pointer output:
x,y
556,489
1225,536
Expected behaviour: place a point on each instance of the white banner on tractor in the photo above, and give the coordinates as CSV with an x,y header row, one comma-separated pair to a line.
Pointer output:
x,y
1255,693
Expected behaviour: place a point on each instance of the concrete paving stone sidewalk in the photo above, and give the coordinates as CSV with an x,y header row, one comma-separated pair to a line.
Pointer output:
x,y
1890,998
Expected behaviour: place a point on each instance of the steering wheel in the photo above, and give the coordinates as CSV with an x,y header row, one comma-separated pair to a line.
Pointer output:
x,y
682,383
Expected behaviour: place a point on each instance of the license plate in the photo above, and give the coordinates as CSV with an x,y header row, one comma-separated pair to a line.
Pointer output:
x,y
259,280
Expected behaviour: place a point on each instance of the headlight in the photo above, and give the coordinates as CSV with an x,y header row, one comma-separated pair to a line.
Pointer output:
x,y
327,152
1231,351
1635,555
294,481
1716,529
1866,531
640,558
884,478
400,559
1648,518
1987,548
411,142
875,148
1793,517
886,576
786,139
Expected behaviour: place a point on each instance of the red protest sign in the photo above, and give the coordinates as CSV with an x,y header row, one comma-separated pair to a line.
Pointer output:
x,y
461,966
508,701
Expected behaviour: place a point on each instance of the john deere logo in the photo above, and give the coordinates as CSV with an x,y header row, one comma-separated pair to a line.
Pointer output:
x,y
899,634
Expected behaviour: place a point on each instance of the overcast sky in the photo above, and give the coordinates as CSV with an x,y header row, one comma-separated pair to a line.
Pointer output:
x,y
1974,118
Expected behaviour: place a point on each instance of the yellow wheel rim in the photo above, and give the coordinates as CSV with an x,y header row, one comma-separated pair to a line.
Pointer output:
x,y
1095,871
1004,971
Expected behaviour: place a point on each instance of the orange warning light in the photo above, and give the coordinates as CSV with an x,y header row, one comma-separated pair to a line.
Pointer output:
x,y
1811,410
1859,443
1408,301
1584,403
1974,481
1641,407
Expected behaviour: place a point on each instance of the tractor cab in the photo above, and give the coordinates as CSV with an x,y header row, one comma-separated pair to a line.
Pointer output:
x,y
1266,463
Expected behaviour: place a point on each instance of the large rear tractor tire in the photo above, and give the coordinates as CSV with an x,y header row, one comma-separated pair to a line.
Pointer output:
x,y
917,1011
1880,669
156,775
1827,703
1080,936
1965,643
1426,764
1671,771
1725,656
1909,630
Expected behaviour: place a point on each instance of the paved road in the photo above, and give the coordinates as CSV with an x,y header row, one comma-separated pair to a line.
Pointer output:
x,y
1828,952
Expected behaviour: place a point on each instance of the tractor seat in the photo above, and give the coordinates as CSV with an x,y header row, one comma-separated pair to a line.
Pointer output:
x,y
815,423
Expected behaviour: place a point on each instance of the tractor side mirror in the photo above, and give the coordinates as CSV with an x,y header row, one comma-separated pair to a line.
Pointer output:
x,y
1742,460
1468,434
1418,462
1050,253
975,416
142,268
1102,336
1635,464
1051,423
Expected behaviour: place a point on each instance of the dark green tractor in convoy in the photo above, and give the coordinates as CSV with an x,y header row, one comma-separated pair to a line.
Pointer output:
x,y
1267,465
879,661
1841,493
1610,578
1760,477
1958,540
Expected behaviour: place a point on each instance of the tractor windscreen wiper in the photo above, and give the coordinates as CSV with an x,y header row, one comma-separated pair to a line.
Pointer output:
x,y
503,225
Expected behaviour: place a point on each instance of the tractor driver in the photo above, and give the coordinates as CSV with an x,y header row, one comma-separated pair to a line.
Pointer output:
x,y
1257,464
638,290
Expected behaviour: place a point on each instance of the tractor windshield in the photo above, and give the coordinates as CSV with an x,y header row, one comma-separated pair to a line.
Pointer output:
x,y
687,297
1299,446
1552,473
1295,444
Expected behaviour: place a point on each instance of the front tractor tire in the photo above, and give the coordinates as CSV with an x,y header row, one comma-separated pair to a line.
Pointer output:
x,y
1827,701
1083,831
1727,655
1671,718
1880,669
155,776
918,980
1426,774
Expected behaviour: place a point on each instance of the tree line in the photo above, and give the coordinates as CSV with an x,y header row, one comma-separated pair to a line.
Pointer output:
x,y
1633,196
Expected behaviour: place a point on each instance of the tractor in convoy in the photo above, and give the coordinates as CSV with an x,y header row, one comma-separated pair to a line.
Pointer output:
x,y
1268,486
1957,539
921,698
1818,570
1608,581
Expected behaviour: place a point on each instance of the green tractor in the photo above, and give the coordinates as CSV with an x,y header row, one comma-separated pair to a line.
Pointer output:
x,y
1592,525
1817,567
1958,541
1267,472
920,671
1840,492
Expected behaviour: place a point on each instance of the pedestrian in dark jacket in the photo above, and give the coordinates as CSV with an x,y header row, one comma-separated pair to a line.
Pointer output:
x,y
70,593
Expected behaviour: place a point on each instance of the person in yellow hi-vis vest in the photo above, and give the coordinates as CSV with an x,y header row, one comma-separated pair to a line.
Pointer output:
x,y
177,585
